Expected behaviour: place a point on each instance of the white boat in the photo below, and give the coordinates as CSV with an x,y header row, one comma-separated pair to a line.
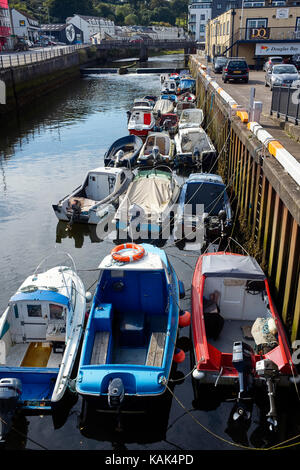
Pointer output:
x,y
191,118
148,201
158,148
141,121
169,86
194,147
142,103
163,106
95,199
40,333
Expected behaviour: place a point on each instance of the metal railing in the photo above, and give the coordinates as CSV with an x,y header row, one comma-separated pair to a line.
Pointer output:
x,y
17,59
286,103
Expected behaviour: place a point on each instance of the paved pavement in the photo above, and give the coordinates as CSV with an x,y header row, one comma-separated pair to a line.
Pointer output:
x,y
240,92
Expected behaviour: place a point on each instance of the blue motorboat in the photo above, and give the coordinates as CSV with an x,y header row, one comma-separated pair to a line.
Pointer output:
x,y
130,339
203,204
123,152
186,84
40,334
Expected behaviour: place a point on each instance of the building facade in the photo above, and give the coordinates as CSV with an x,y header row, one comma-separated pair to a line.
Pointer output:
x,y
63,33
25,26
255,33
5,25
200,12
91,25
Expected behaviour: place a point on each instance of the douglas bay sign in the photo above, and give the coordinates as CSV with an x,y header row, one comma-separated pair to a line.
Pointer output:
x,y
279,48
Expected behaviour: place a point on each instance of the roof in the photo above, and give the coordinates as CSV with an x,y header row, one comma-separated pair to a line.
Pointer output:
x,y
230,265
41,295
109,170
53,27
153,259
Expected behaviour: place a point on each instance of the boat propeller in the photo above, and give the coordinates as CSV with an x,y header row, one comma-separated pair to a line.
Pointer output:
x,y
10,391
115,393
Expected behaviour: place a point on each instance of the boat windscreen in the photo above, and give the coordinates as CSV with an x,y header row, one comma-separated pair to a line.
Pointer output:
x,y
209,194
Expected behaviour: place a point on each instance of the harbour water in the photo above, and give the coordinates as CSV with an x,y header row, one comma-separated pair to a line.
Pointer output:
x,y
44,155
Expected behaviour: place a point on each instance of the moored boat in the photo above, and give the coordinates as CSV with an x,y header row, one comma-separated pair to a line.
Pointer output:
x,y
148,202
130,338
237,333
141,121
191,118
40,333
123,152
158,148
95,199
195,148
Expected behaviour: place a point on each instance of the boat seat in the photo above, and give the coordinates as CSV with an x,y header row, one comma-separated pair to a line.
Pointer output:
x,y
156,349
100,347
132,328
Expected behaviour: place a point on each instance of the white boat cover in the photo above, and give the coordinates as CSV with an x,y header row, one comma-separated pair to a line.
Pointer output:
x,y
153,194
229,265
191,118
164,106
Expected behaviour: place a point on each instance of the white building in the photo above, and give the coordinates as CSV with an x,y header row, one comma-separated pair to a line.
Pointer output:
x,y
91,25
200,12
25,26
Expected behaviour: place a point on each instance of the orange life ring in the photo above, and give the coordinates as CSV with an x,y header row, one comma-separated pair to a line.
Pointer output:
x,y
140,251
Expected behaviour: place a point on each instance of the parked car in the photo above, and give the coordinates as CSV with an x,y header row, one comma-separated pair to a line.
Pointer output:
x,y
272,61
219,63
281,74
295,60
236,69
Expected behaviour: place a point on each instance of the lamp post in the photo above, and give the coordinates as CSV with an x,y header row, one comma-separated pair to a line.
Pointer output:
x,y
233,13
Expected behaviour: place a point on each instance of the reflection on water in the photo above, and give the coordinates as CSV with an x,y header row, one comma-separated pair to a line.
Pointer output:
x,y
43,157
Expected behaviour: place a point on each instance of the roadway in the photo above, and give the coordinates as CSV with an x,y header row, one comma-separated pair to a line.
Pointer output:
x,y
240,92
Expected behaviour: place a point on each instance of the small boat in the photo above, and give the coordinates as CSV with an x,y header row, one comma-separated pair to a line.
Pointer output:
x,y
167,122
151,98
142,103
194,148
40,333
130,339
186,84
163,106
169,86
123,152
237,334
141,121
159,148
148,202
191,118
181,105
187,96
204,212
95,199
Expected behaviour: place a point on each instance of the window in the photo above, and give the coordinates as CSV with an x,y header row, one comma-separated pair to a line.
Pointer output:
x,y
255,23
202,17
34,310
202,28
56,312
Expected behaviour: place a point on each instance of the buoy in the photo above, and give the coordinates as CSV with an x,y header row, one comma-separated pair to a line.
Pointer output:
x,y
179,355
184,319
198,374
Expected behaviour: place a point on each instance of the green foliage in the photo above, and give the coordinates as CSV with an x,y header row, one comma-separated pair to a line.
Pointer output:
x,y
143,12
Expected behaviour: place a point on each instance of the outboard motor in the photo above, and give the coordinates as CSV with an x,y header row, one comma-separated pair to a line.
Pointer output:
x,y
10,391
155,152
243,359
119,156
222,217
115,393
196,156
268,371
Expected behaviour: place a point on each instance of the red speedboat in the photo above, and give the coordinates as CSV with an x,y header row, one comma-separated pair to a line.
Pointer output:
x,y
141,122
237,333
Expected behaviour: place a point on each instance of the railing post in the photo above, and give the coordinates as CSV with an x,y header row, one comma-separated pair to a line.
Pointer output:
x,y
297,112
287,105
278,107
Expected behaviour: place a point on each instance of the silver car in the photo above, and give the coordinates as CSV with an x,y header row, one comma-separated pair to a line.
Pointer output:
x,y
271,62
282,74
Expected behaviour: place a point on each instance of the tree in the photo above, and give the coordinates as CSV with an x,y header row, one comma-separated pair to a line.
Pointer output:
x,y
131,19
63,9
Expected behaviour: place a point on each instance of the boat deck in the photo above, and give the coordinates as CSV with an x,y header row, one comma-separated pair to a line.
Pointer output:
x,y
33,354
232,331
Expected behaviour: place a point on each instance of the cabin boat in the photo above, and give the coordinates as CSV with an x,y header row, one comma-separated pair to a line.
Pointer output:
x,y
186,84
159,148
194,148
169,86
167,122
148,202
237,333
123,152
40,333
203,208
142,103
191,118
129,342
141,122
95,199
